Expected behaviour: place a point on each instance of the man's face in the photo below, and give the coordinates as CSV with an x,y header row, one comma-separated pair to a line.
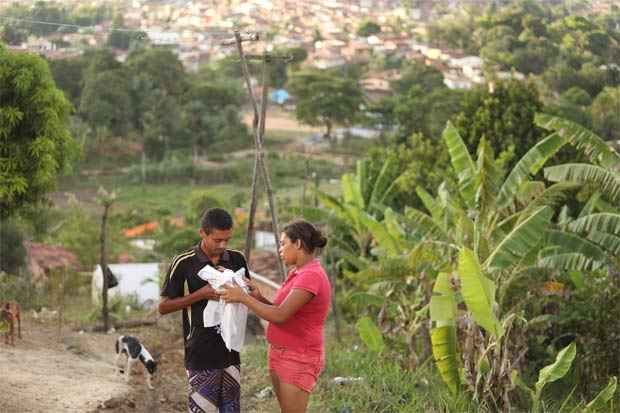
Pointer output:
x,y
216,241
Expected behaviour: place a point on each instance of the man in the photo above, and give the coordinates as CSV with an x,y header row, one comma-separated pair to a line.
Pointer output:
x,y
212,370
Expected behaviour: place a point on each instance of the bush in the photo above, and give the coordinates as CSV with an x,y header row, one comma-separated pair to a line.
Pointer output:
x,y
587,311
172,241
79,232
22,290
12,250
199,201
239,173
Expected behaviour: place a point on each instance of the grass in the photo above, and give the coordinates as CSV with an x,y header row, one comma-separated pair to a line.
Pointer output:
x,y
384,386
162,198
275,138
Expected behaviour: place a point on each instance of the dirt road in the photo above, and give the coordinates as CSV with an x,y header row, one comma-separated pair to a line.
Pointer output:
x,y
75,373
41,374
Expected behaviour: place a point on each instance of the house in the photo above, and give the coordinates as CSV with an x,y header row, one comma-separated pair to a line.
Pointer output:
x,y
454,80
265,240
40,44
139,279
376,87
326,59
163,38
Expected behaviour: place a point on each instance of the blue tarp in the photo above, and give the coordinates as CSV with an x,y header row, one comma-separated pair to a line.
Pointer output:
x,y
279,96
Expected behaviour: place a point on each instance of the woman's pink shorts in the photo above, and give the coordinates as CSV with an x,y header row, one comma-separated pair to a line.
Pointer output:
x,y
297,367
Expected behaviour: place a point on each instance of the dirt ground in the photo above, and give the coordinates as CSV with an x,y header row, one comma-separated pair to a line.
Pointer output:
x,y
279,119
75,373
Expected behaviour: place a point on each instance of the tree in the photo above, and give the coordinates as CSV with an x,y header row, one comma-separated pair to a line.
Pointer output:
x,y
503,117
455,32
368,28
12,251
606,113
35,144
299,55
425,113
535,56
325,99
13,34
162,66
69,77
106,103
229,67
99,60
560,77
420,162
427,78
119,39
106,200
162,125
216,94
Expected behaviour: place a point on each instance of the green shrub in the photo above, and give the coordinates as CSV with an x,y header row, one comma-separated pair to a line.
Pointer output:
x,y
12,250
199,201
181,170
20,288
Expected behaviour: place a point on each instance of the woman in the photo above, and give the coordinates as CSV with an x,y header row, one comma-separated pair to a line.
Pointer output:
x,y
296,316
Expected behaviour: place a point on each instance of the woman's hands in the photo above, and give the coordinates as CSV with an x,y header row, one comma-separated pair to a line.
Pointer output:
x,y
232,293
254,290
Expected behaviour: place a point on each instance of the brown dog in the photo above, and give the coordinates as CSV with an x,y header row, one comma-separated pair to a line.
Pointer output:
x,y
11,313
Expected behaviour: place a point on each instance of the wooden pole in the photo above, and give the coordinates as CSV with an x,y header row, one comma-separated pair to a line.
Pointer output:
x,y
263,165
61,301
249,236
258,125
335,312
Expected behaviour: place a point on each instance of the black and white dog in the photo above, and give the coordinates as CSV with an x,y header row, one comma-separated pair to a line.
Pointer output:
x,y
135,351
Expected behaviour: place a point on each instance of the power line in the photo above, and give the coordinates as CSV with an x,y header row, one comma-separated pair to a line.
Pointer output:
x,y
216,34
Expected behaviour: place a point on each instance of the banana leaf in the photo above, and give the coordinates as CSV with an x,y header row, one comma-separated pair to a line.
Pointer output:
x,y
443,334
478,292
528,165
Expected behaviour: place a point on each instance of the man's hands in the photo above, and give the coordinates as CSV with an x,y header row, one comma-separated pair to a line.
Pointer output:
x,y
207,293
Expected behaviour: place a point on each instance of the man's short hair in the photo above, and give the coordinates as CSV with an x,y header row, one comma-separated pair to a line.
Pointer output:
x,y
216,218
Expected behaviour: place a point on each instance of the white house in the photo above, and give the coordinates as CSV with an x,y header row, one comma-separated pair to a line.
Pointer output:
x,y
140,279
265,240
454,80
163,38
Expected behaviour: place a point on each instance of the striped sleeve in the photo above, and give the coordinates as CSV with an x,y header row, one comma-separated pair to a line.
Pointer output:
x,y
242,262
174,282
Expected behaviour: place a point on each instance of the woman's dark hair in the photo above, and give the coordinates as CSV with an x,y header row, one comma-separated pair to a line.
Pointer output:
x,y
310,237
216,218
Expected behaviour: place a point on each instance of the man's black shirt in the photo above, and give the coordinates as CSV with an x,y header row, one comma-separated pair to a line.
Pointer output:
x,y
204,347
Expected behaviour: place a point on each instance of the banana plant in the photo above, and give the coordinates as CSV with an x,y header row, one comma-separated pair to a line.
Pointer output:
x,y
366,193
489,230
598,225
556,371
492,231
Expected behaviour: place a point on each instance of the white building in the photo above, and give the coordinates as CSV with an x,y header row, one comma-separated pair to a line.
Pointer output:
x,y
141,279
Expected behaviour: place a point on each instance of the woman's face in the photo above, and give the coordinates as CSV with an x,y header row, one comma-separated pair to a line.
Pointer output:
x,y
288,250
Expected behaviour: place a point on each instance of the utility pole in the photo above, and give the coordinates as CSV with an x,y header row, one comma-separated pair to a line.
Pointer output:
x,y
258,126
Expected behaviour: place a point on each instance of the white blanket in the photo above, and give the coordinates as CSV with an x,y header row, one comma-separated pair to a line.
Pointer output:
x,y
230,317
